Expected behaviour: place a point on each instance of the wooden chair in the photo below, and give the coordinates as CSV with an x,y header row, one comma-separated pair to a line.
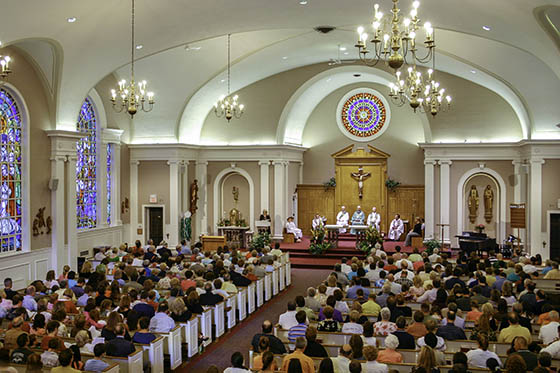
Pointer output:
x,y
417,242
288,237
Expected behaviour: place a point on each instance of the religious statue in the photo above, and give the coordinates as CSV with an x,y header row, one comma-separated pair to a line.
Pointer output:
x,y
39,222
49,225
234,216
186,231
360,177
194,196
488,203
473,204
235,193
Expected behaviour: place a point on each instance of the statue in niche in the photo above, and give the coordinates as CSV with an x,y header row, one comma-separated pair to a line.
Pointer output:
x,y
235,193
360,177
473,204
194,196
35,227
488,203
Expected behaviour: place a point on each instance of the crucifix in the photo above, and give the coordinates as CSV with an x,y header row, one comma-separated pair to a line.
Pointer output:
x,y
360,176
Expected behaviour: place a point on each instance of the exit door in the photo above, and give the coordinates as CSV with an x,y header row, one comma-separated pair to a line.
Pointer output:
x,y
155,224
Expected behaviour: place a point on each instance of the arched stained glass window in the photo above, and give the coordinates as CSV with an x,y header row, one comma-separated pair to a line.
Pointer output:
x,y
86,173
109,161
10,179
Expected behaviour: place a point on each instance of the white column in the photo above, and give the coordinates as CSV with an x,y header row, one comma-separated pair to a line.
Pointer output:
x,y
287,191
102,185
279,196
57,211
116,185
520,191
300,181
185,192
535,208
71,219
202,211
174,202
445,193
265,165
429,199
134,202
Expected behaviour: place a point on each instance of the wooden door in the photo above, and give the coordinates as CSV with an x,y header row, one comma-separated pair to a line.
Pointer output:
x,y
155,224
314,199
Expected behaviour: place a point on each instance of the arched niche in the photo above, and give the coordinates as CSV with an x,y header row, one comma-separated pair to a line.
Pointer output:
x,y
481,178
223,196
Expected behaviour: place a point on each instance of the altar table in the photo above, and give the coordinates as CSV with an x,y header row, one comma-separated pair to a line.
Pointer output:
x,y
332,233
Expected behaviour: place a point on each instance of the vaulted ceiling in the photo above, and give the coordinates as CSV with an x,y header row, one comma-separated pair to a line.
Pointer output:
x,y
518,58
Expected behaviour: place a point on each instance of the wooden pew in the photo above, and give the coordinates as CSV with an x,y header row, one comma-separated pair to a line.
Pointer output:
x,y
260,292
153,352
282,277
231,318
172,346
251,290
218,319
133,363
205,325
275,281
22,368
242,302
267,287
288,272
189,335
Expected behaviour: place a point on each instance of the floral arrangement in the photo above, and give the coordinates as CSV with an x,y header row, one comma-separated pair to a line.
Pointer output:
x,y
331,183
260,241
480,226
372,238
391,184
431,245
318,244
228,223
224,223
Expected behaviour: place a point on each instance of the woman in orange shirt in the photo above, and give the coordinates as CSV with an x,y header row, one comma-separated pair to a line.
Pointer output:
x,y
475,312
389,355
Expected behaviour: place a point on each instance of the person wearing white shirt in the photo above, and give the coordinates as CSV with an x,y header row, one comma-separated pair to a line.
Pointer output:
x,y
288,318
345,267
477,358
374,218
341,363
435,256
396,228
402,261
372,366
137,262
409,274
100,255
428,296
318,221
161,322
342,219
353,327
292,228
553,349
549,332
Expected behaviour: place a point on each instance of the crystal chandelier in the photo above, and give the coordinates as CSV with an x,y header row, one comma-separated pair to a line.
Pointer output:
x,y
132,97
228,106
394,38
423,94
4,66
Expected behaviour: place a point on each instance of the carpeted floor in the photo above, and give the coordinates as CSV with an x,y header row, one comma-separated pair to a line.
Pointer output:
x,y
239,339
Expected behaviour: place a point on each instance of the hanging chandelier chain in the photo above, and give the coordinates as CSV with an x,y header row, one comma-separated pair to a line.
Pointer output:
x,y
228,106
229,64
132,41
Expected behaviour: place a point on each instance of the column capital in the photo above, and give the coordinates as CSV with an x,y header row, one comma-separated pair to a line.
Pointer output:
x,y
173,162
72,158
430,162
185,162
58,158
277,163
517,162
134,162
535,161
264,163
202,163
445,161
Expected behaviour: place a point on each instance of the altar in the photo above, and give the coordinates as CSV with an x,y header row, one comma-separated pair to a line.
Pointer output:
x,y
333,232
237,237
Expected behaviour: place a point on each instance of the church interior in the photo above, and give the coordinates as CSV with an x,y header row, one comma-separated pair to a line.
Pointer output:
x,y
201,125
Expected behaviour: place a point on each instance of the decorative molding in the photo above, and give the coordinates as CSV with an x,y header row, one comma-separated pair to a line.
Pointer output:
x,y
63,143
218,180
111,136
525,149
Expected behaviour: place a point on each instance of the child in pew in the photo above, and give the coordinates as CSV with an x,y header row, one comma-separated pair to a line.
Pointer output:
x,y
49,358
22,352
97,364
143,336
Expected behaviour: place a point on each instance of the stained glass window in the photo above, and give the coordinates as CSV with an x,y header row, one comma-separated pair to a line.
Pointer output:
x,y
10,178
109,161
86,173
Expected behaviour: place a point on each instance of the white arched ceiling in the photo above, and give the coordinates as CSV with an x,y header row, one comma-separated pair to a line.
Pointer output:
x,y
302,103
98,43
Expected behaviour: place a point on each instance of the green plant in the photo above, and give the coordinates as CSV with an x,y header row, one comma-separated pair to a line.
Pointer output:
x,y
431,245
331,183
260,240
224,223
371,238
391,184
318,244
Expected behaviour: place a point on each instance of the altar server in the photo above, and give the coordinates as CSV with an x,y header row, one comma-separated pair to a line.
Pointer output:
x,y
396,228
318,221
292,228
374,219
358,218
342,219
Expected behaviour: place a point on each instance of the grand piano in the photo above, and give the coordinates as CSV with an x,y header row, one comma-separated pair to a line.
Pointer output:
x,y
471,241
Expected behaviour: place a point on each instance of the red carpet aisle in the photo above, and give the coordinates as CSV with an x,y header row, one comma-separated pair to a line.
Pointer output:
x,y
219,352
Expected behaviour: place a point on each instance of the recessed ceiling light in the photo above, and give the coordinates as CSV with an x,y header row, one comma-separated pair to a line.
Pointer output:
x,y
222,81
72,19
139,46
486,28
346,53
329,79
285,58
473,71
192,48
302,2
343,48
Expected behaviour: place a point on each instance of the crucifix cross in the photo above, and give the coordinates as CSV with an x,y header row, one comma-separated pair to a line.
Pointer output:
x,y
360,176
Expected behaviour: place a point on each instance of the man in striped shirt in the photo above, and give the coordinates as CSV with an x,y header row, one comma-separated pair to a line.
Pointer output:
x,y
299,329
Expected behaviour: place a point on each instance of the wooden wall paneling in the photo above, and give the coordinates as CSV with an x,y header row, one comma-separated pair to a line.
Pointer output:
x,y
315,199
408,201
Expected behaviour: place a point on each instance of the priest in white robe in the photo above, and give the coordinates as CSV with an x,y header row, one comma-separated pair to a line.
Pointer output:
x,y
292,228
374,219
358,218
318,221
396,228
342,219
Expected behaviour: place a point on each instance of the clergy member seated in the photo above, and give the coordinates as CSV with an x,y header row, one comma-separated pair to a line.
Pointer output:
x,y
318,221
396,228
292,228
415,232
374,219
358,218
342,219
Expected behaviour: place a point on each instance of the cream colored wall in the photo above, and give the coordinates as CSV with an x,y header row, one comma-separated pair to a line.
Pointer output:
x,y
476,114
27,82
323,138
550,188
238,181
125,181
153,178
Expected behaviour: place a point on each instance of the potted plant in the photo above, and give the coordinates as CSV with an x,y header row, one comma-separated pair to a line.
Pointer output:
x,y
431,245
260,240
372,237
331,183
480,228
318,244
391,184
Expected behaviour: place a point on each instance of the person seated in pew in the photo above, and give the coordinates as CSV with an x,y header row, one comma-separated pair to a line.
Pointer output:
x,y
306,364
371,307
450,331
119,347
300,306
65,360
352,327
507,335
427,361
311,300
385,326
109,331
142,306
389,354
372,365
299,329
179,311
97,364
313,348
52,333
22,352
478,357
276,345
342,361
417,329
161,322
432,326
264,346
208,298
544,361
143,335
549,333
49,357
328,324
406,340
520,346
